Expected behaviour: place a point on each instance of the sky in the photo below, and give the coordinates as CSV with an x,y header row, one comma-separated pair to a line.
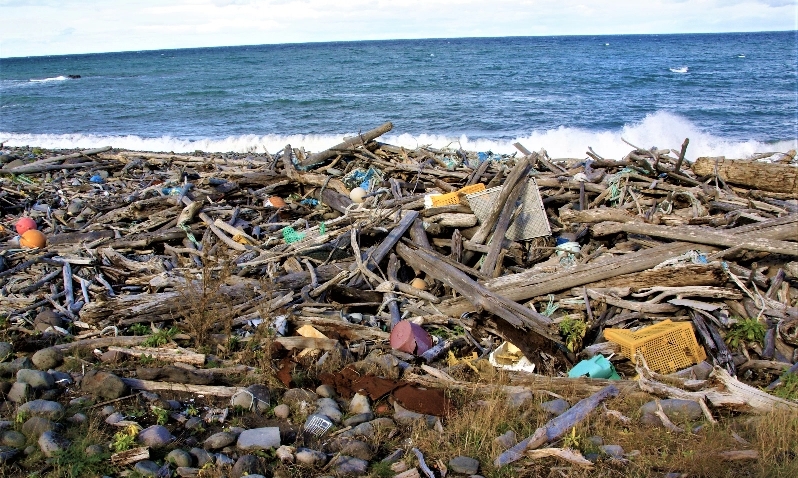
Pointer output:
x,y
57,27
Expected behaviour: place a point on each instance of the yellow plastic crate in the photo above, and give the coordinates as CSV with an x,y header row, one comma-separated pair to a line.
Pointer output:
x,y
666,346
453,198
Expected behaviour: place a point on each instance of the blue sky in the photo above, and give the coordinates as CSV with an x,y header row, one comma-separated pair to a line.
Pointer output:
x,y
54,27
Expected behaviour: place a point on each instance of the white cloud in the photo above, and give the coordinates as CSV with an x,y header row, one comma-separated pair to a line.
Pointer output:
x,y
96,26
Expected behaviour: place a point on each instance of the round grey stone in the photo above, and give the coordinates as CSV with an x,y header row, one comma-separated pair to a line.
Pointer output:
x,y
615,451
180,458
326,391
94,450
20,392
47,358
676,409
219,440
358,419
295,396
78,418
43,408
349,465
50,444
13,438
35,426
37,379
555,407
6,349
464,464
193,423
104,384
147,468
201,456
310,457
282,411
246,465
115,417
155,436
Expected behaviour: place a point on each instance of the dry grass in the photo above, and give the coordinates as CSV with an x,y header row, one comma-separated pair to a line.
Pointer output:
x,y
655,451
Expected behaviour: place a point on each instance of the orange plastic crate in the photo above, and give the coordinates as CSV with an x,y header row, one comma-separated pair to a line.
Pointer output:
x,y
666,346
451,199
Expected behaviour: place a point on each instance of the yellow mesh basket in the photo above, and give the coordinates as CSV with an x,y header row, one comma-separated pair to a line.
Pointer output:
x,y
666,346
453,198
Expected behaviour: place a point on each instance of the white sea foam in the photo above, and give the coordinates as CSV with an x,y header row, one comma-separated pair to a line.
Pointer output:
x,y
661,129
680,69
45,80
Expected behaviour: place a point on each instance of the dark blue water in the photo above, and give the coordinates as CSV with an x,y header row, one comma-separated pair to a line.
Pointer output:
x,y
730,93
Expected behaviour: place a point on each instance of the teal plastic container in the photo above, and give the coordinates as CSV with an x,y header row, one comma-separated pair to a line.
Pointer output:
x,y
597,367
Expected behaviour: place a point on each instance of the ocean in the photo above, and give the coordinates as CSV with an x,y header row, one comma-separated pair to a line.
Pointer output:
x,y
732,94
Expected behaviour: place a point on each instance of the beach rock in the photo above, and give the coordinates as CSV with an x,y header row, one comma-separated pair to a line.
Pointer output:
x,y
519,399
187,472
352,447
359,404
80,402
77,418
107,410
115,417
147,468
47,358
464,464
13,438
202,456
505,441
14,366
329,408
47,318
282,411
112,356
155,436
51,394
94,450
43,408
259,439
37,379
615,451
326,391
6,349
676,409
104,384
193,423
358,419
310,458
20,392
555,407
7,454
50,444
219,440
246,465
179,458
255,397
350,466
35,426
295,396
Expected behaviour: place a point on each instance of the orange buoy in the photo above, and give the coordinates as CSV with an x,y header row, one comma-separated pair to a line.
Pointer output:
x,y
33,239
277,202
25,224
419,283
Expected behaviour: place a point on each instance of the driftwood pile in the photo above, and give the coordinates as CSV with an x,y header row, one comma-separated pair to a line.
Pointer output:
x,y
222,244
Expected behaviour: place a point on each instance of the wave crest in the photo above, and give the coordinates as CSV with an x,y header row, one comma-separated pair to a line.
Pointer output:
x,y
661,129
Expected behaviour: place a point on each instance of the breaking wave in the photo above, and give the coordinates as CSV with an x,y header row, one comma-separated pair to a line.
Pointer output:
x,y
661,129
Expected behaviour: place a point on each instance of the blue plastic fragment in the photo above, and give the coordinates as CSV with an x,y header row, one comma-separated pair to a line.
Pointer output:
x,y
97,179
